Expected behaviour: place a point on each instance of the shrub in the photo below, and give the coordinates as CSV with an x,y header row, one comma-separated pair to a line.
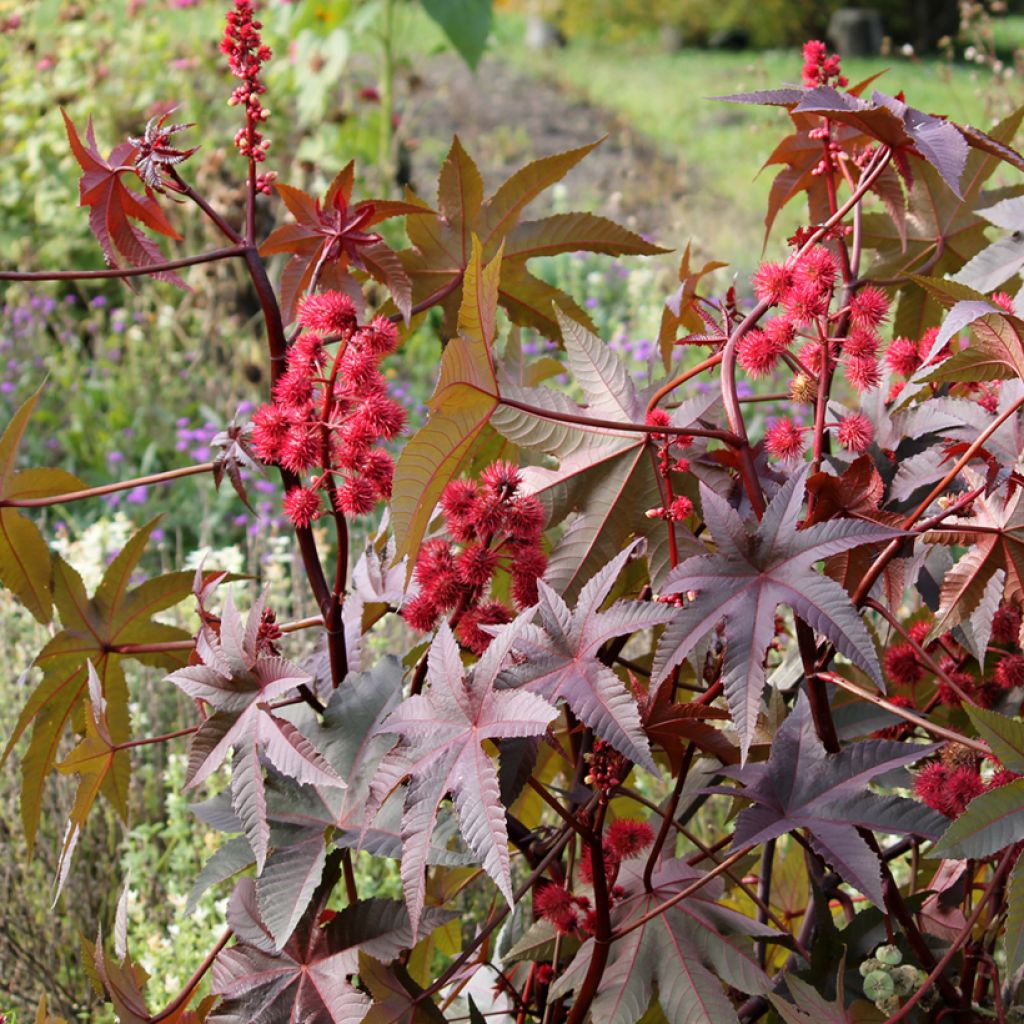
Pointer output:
x,y
559,661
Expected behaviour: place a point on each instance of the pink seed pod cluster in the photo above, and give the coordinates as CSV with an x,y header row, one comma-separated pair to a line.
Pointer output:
x,y
491,526
330,413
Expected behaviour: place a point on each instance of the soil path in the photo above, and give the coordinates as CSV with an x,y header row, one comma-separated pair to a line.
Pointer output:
x,y
506,118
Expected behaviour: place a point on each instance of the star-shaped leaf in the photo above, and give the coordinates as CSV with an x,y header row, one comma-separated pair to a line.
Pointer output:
x,y
238,680
303,816
334,236
460,408
306,981
682,309
606,478
24,556
745,581
680,957
561,658
442,245
441,731
113,206
994,537
942,230
801,786
100,766
234,453
94,630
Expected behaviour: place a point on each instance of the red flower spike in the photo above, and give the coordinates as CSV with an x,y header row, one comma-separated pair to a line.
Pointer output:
x,y
476,565
756,354
861,341
817,271
524,517
381,337
948,790
356,496
293,388
1005,301
805,303
862,372
421,613
1006,624
501,479
471,636
555,904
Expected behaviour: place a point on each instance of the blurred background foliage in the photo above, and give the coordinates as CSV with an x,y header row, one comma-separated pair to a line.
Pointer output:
x,y
140,379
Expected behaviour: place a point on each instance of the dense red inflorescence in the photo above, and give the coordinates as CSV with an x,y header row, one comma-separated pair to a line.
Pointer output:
x,y
331,412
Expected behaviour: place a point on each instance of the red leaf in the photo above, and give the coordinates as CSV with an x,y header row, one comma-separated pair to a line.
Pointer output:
x,y
113,205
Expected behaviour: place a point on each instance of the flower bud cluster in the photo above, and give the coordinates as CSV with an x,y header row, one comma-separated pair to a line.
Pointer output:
x,y
329,414
494,527
820,68
246,53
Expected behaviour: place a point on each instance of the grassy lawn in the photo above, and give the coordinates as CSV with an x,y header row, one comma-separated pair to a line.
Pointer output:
x,y
720,146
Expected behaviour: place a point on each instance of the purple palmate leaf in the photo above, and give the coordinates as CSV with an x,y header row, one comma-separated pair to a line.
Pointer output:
x,y
439,752
748,578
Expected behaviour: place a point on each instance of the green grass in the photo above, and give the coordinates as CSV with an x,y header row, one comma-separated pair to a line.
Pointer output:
x,y
720,147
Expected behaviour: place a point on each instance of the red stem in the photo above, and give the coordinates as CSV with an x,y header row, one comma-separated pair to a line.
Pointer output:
x,y
182,998
117,272
96,492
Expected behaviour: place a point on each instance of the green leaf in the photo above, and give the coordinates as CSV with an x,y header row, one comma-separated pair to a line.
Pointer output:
x,y
991,822
100,768
24,555
441,245
466,23
93,627
463,401
1005,736
1014,935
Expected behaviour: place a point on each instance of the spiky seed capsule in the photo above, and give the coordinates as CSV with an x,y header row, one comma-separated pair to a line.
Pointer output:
x,y
956,755
906,979
890,955
803,389
869,965
878,985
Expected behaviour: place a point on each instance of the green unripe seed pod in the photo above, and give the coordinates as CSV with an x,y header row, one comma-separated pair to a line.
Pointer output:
x,y
906,979
869,965
890,955
878,985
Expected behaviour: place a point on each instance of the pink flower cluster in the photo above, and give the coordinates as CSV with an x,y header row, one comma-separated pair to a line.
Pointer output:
x,y
246,53
819,67
330,413
493,526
